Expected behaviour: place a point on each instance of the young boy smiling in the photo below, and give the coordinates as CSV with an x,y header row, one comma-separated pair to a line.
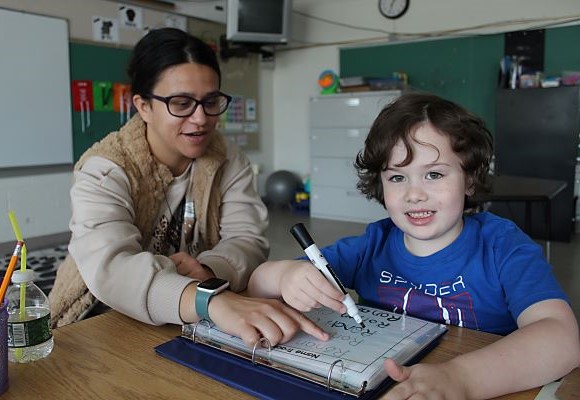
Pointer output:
x,y
427,160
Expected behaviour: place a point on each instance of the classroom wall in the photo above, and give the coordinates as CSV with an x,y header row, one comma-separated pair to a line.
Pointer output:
x,y
296,71
285,85
40,195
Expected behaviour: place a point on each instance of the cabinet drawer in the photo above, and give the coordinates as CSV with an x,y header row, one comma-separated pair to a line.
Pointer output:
x,y
344,204
348,110
337,142
337,172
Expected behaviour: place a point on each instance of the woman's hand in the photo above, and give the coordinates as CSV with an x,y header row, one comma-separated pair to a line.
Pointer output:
x,y
188,266
253,318
304,287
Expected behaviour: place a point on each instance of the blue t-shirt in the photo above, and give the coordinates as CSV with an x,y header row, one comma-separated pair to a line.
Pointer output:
x,y
483,280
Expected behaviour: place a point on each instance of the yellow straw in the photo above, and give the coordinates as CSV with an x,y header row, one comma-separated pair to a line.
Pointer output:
x,y
18,234
15,227
22,287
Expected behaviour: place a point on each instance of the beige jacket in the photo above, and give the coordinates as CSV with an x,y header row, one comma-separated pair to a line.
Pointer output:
x,y
115,205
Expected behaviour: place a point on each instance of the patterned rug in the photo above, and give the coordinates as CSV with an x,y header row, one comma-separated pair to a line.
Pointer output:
x,y
43,262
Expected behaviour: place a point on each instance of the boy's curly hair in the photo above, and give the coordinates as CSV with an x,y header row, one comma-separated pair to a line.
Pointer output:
x,y
398,121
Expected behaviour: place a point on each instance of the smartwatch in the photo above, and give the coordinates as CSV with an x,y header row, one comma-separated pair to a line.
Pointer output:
x,y
205,291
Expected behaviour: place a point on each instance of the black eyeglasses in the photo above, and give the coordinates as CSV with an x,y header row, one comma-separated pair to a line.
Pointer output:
x,y
184,106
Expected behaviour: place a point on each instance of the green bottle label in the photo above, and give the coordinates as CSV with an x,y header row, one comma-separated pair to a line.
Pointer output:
x,y
29,333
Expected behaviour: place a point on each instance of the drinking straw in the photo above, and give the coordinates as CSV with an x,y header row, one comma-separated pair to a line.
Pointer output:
x,y
15,228
23,288
22,311
18,234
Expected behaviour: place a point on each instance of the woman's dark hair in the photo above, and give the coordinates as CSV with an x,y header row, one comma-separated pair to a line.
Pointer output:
x,y
398,121
161,49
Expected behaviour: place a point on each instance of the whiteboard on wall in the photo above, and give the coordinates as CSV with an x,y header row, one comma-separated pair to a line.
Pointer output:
x,y
35,103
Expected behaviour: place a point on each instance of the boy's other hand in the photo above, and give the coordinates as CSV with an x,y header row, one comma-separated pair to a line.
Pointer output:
x,y
423,381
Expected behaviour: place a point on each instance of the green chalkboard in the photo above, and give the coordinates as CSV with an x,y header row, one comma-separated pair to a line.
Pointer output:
x,y
96,63
464,70
561,53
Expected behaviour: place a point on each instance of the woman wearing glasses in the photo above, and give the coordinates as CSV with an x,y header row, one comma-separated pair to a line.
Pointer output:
x,y
166,203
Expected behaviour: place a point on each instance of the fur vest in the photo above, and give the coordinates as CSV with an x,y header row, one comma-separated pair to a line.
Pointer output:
x,y
70,299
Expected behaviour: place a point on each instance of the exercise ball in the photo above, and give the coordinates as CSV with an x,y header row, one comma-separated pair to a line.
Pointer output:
x,y
281,186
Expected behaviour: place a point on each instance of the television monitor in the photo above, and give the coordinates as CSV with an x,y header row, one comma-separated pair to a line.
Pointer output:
x,y
258,21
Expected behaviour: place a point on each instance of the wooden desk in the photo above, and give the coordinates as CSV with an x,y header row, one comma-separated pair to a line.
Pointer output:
x,y
506,188
111,357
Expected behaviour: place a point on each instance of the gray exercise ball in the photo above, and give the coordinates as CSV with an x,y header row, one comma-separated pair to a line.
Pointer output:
x,y
281,186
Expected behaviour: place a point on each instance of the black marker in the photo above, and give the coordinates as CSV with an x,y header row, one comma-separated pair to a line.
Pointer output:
x,y
317,259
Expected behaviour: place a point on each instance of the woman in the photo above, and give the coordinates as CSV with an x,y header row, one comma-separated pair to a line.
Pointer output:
x,y
166,203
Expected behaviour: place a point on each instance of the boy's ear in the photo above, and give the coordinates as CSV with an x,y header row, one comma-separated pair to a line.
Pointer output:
x,y
469,187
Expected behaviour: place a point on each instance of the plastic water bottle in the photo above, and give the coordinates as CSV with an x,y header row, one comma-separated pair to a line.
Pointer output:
x,y
29,333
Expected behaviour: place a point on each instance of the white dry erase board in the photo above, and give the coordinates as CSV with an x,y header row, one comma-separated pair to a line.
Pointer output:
x,y
35,104
350,362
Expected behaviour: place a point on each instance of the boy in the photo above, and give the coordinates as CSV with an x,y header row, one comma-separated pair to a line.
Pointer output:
x,y
427,160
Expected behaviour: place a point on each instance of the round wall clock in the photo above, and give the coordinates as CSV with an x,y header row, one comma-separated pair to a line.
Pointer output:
x,y
393,8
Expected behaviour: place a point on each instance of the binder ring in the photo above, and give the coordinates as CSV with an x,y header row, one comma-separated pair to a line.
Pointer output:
x,y
262,339
196,325
328,384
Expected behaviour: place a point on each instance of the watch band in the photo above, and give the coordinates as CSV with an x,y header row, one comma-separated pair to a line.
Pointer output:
x,y
205,291
202,299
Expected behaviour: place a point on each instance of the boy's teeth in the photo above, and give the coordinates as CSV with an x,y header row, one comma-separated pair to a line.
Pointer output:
x,y
423,214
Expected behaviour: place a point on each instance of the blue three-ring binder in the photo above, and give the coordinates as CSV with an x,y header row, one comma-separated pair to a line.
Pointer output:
x,y
254,379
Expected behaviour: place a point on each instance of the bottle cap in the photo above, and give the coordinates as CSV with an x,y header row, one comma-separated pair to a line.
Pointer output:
x,y
19,276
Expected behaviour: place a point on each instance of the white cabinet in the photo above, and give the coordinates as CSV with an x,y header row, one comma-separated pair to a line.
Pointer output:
x,y
339,125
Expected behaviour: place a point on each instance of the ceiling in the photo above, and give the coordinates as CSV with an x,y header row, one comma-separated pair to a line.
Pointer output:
x,y
215,10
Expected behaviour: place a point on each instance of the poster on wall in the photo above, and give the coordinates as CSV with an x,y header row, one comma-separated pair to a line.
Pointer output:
x,y
82,101
105,29
103,96
122,101
130,17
